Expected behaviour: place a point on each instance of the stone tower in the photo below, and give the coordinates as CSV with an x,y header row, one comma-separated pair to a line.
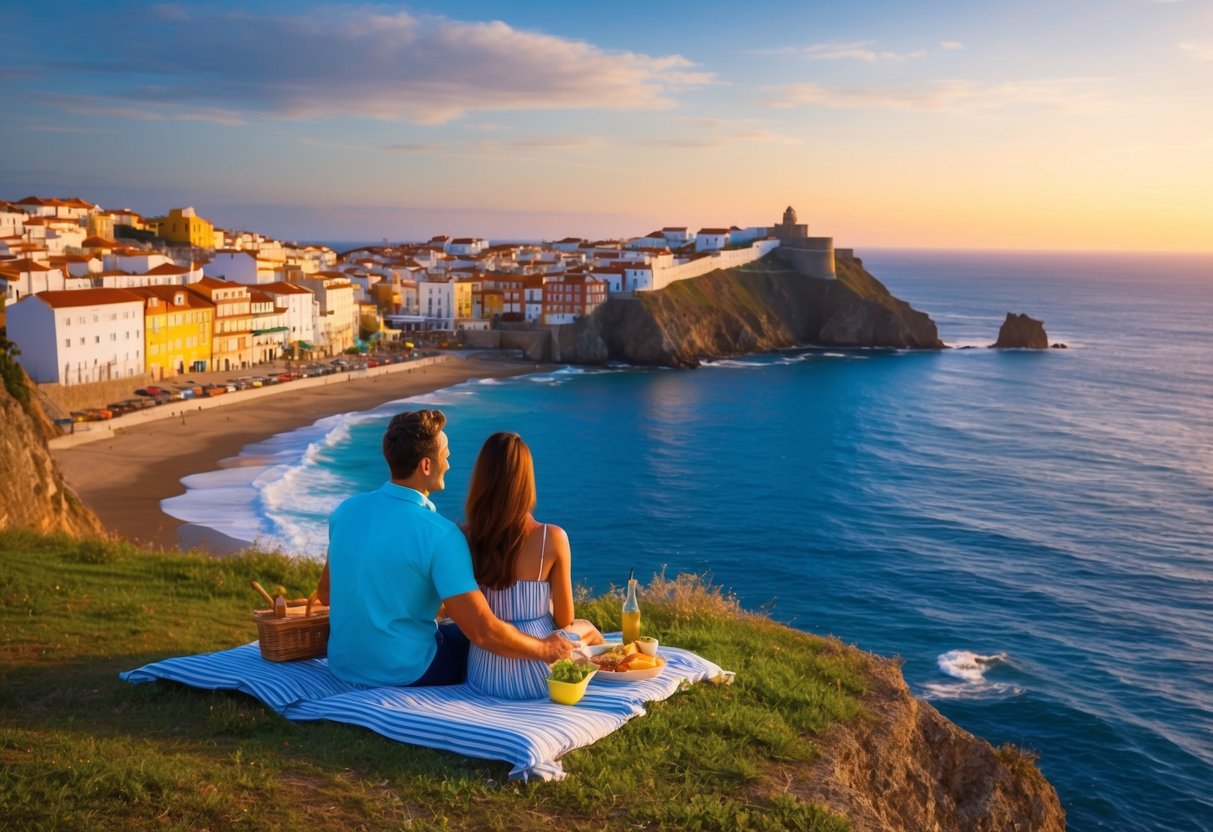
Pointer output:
x,y
789,231
810,256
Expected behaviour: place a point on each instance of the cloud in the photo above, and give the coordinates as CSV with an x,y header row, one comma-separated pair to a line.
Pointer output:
x,y
363,61
853,50
415,148
1071,95
1197,51
90,105
709,142
951,44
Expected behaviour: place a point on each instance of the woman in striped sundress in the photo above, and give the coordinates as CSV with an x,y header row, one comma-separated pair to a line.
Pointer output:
x,y
523,566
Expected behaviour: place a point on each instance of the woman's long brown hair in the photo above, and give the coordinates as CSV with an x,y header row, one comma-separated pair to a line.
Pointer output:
x,y
500,498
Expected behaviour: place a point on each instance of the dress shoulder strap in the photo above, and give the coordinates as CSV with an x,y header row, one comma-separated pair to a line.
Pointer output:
x,y
542,548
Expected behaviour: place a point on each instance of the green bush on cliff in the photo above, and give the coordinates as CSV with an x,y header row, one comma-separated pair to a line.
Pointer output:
x,y
83,750
11,373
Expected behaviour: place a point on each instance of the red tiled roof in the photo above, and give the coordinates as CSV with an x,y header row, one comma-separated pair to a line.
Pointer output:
x,y
169,294
62,299
25,264
282,288
168,268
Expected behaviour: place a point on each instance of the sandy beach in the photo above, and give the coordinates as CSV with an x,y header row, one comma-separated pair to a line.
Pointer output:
x,y
124,477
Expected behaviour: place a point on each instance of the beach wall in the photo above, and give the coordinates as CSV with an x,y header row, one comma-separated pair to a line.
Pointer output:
x,y
85,432
71,397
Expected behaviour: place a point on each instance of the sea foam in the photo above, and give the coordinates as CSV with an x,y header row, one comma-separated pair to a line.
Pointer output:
x,y
969,670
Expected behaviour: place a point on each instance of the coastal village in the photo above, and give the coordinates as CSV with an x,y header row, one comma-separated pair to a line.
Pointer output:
x,y
97,295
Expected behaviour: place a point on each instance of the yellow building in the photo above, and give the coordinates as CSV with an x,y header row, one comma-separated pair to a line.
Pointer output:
x,y
463,298
184,227
178,330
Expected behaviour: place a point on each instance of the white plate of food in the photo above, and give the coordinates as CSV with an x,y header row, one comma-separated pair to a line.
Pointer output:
x,y
619,662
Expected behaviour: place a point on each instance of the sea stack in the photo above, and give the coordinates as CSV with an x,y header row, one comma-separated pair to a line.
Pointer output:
x,y
1021,332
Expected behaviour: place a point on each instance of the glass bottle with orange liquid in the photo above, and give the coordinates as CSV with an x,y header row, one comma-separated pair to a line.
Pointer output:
x,y
631,612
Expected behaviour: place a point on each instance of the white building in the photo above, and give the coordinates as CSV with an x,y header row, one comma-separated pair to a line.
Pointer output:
x,y
74,337
166,274
611,275
134,261
271,334
24,277
711,239
12,219
637,277
301,311
532,298
233,266
466,245
336,323
436,300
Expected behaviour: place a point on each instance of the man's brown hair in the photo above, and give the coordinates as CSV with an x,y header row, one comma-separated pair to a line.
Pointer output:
x,y
411,437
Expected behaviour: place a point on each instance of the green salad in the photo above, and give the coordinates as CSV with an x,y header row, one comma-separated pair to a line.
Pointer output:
x,y
567,670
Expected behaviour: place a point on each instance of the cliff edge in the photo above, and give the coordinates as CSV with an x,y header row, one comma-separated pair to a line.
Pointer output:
x,y
908,767
762,306
33,494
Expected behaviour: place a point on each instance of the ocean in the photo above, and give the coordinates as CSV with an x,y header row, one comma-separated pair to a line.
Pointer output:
x,y
1030,531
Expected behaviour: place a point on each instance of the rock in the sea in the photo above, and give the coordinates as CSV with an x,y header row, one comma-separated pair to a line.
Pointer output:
x,y
1021,332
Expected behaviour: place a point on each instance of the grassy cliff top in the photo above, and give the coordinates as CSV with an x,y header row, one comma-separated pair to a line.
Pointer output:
x,y
83,750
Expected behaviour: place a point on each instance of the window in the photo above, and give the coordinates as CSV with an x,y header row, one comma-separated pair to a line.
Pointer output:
x,y
67,342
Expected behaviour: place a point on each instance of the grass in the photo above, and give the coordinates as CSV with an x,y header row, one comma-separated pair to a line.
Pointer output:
x,y
80,749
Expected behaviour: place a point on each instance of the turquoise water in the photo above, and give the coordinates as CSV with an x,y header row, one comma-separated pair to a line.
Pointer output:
x,y
1029,531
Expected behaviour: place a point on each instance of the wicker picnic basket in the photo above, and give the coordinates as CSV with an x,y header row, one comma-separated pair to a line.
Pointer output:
x,y
302,634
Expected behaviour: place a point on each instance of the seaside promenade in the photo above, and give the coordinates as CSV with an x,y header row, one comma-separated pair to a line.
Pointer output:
x,y
123,468
81,433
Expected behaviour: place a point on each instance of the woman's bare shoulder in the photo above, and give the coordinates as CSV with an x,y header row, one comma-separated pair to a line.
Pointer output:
x,y
556,535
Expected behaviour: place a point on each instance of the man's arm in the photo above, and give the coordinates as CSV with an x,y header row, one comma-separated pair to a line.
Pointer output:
x,y
472,615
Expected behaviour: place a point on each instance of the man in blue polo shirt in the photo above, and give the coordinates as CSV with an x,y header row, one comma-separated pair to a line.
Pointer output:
x,y
393,561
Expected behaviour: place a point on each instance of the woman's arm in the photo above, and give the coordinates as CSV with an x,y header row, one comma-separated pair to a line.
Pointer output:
x,y
322,589
561,576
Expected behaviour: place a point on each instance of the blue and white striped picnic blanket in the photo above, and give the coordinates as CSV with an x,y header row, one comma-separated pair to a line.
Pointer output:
x,y
531,736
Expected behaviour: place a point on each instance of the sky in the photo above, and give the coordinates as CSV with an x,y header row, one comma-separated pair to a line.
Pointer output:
x,y
1085,124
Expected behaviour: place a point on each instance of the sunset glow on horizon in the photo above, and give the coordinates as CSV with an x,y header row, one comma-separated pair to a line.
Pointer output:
x,y
936,125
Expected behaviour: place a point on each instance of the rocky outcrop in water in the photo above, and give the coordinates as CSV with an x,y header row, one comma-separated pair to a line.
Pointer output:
x,y
759,307
33,494
1021,332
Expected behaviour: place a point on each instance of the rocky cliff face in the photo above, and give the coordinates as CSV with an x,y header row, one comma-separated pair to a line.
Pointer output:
x,y
759,307
907,767
33,494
